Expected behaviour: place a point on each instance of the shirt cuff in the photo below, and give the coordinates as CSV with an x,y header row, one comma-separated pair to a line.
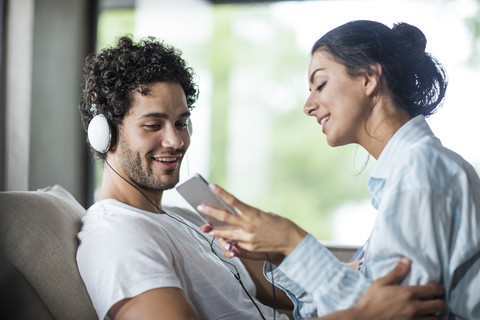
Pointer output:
x,y
303,306
282,276
312,269
309,256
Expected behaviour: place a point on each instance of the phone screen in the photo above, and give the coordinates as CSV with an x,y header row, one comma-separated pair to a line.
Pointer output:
x,y
196,191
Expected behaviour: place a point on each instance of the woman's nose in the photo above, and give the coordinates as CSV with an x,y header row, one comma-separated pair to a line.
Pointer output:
x,y
309,107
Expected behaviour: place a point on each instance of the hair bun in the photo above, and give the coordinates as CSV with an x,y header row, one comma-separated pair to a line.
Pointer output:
x,y
413,37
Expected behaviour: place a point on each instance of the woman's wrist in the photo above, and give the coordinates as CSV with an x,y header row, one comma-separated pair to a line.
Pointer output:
x,y
296,236
276,259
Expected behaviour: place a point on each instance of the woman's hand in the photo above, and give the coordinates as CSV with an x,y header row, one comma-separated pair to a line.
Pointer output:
x,y
256,230
231,249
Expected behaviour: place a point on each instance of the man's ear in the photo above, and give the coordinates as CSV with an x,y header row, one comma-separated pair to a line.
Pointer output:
x,y
372,79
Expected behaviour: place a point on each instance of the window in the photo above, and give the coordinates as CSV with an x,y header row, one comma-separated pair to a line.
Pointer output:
x,y
250,133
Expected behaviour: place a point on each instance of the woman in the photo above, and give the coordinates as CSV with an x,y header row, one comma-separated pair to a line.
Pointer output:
x,y
373,85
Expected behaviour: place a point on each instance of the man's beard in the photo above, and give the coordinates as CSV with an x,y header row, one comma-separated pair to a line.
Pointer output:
x,y
142,174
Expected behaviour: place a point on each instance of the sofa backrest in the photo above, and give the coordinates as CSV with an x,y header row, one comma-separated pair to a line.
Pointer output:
x,y
38,230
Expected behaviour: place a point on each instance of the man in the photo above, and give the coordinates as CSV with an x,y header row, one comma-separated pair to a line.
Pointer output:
x,y
139,259
135,254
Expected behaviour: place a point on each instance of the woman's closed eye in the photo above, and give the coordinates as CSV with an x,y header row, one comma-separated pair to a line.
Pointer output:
x,y
321,86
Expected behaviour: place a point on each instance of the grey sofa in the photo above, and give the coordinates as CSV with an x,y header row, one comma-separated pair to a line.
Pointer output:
x,y
39,275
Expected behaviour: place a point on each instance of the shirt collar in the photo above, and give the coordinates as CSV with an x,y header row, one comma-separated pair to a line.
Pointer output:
x,y
410,132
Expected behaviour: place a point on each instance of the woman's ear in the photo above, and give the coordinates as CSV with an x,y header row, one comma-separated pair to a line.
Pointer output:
x,y
372,79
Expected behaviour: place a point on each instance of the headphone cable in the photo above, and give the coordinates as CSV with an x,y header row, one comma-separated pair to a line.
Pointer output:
x,y
236,274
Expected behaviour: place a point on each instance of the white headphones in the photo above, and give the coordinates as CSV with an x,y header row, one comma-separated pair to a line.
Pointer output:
x,y
101,136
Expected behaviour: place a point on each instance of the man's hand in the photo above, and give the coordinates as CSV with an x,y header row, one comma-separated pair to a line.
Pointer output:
x,y
385,300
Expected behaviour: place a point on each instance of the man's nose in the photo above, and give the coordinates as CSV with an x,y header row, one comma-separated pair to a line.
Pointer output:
x,y
172,138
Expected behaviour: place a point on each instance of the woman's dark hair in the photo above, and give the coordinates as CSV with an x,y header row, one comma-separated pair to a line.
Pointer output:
x,y
416,80
111,76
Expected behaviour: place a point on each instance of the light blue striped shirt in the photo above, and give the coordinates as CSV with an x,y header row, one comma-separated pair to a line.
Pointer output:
x,y
428,202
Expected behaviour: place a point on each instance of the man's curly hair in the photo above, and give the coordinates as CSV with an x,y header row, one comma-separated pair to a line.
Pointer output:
x,y
111,76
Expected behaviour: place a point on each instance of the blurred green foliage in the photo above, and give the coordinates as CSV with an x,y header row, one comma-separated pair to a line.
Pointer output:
x,y
473,24
221,50
113,24
307,179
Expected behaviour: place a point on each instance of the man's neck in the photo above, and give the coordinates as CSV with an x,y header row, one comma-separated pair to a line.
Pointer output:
x,y
116,187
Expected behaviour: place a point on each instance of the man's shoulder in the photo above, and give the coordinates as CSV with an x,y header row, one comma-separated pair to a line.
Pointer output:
x,y
110,212
112,232
112,219
111,223
187,214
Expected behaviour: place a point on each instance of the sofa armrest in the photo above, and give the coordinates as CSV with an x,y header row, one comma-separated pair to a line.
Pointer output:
x,y
38,230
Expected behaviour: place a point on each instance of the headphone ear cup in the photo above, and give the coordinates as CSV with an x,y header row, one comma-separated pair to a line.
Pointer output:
x,y
99,134
189,127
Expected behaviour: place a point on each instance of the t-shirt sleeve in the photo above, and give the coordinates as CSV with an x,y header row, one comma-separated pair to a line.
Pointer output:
x,y
122,259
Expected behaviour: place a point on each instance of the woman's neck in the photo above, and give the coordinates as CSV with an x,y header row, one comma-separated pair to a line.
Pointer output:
x,y
381,125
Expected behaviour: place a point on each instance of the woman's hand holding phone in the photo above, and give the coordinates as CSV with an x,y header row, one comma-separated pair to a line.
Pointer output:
x,y
197,192
256,230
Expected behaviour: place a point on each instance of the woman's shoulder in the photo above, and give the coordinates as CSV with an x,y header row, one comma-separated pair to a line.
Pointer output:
x,y
431,153
429,161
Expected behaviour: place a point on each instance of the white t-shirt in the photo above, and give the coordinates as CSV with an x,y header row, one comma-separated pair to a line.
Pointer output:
x,y
125,251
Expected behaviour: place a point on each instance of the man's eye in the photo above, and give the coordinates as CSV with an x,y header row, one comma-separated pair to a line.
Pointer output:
x,y
182,124
152,126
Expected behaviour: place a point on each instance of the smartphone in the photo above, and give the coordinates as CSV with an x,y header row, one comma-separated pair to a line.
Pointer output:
x,y
196,191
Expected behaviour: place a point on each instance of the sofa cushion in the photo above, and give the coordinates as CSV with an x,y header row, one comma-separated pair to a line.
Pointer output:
x,y
39,232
